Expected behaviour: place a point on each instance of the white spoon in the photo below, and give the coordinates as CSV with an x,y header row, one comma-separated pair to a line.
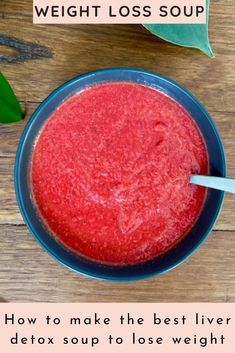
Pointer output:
x,y
218,183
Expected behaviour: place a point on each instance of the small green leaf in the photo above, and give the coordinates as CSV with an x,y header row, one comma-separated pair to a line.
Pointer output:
x,y
187,35
10,108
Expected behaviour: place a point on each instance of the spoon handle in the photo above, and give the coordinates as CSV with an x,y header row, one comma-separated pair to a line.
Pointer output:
x,y
223,184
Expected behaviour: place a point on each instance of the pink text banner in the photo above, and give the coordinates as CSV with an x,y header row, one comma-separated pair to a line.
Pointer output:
x,y
117,328
119,11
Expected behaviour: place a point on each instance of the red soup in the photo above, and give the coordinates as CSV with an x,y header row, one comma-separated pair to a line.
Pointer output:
x,y
110,173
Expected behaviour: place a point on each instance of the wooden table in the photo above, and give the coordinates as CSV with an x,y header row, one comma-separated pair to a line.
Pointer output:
x,y
36,59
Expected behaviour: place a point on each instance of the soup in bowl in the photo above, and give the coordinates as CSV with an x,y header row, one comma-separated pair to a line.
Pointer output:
x,y
108,157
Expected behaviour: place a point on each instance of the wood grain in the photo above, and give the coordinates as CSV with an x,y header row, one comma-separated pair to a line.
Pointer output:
x,y
36,59
23,51
29,274
86,47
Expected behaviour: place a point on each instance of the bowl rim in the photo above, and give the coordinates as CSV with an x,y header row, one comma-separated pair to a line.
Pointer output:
x,y
24,213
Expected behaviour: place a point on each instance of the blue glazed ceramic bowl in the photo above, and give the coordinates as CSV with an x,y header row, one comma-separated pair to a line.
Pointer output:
x,y
188,245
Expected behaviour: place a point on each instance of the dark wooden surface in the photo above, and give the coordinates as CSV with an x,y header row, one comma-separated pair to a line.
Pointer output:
x,y
36,59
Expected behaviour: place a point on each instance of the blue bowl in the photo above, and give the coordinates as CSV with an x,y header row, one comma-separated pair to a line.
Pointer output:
x,y
196,236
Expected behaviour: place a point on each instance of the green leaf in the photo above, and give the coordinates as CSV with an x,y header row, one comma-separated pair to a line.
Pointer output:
x,y
187,35
10,108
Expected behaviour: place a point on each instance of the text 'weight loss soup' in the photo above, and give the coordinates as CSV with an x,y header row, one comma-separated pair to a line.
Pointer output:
x,y
110,173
